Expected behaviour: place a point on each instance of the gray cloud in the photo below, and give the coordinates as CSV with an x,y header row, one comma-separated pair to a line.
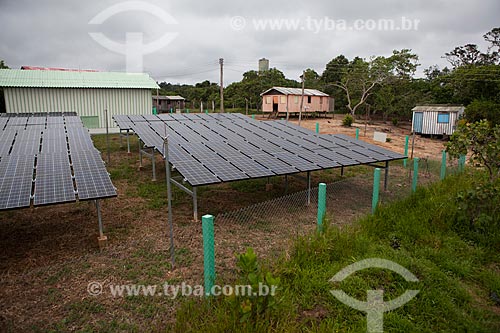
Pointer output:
x,y
56,34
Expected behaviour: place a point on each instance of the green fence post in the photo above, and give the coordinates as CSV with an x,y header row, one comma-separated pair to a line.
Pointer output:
x,y
376,187
415,174
443,165
171,110
357,133
317,127
253,116
206,111
461,163
207,222
406,150
321,205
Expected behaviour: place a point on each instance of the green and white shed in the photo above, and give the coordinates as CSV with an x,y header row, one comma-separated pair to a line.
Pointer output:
x,y
89,94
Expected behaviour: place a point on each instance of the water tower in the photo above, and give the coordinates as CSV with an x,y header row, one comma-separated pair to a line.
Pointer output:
x,y
263,65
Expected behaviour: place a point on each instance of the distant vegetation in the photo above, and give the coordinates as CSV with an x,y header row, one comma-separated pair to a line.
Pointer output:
x,y
386,84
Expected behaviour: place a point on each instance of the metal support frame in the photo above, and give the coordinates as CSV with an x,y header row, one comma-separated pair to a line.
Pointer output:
x,y
126,135
342,171
192,193
386,175
169,199
99,219
195,205
386,172
308,188
143,151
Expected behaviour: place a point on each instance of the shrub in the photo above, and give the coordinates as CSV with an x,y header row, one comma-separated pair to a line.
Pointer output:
x,y
348,120
479,110
395,121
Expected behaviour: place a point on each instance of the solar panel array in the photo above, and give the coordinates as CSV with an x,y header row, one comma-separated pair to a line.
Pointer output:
x,y
213,148
49,158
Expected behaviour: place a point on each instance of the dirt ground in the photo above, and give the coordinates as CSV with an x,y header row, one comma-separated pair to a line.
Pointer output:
x,y
49,255
424,147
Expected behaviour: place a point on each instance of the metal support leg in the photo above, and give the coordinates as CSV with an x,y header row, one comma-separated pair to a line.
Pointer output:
x,y
99,219
128,142
169,203
308,188
386,175
342,171
153,163
195,205
286,184
140,155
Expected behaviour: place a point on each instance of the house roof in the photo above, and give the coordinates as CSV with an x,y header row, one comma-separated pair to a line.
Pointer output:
x,y
438,108
170,98
74,79
295,91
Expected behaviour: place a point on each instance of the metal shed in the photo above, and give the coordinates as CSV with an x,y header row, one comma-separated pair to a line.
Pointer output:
x,y
439,119
87,93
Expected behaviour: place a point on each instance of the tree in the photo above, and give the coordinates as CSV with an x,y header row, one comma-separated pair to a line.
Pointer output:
x,y
360,78
483,141
312,79
333,72
483,109
466,55
3,65
470,55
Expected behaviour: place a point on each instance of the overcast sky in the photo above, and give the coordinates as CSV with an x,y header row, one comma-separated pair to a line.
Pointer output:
x,y
190,36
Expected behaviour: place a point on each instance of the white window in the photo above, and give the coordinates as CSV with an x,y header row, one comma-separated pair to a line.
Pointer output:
x,y
296,99
268,99
321,100
282,99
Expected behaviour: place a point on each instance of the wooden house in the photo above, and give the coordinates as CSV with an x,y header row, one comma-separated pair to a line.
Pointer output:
x,y
166,104
281,100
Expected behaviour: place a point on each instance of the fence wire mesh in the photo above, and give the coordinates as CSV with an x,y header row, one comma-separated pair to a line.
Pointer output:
x,y
272,226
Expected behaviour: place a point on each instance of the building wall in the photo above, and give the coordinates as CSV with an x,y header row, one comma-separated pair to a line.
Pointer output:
x,y
431,126
85,102
318,103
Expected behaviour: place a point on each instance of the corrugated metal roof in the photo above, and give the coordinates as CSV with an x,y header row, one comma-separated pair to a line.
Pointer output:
x,y
66,79
170,98
296,91
438,108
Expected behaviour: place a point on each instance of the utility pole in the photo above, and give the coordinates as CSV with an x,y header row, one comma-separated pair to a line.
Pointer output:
x,y
221,62
302,99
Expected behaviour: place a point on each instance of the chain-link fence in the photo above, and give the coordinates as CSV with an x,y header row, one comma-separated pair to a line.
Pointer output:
x,y
270,227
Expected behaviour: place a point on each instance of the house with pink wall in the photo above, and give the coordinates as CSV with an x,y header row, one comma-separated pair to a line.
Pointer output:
x,y
280,100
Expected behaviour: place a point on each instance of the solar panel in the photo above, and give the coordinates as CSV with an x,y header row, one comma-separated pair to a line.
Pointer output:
x,y
44,138
210,148
16,179
91,177
223,169
53,183
297,161
195,173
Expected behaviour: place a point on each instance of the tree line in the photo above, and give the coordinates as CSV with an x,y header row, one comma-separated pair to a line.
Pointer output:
x,y
383,86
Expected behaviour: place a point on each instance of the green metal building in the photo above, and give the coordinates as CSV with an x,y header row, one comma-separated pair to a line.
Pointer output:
x,y
89,94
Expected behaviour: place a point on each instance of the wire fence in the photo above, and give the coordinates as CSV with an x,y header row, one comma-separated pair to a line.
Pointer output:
x,y
272,226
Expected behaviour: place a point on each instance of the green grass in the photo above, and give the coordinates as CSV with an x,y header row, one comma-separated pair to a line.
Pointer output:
x,y
456,275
